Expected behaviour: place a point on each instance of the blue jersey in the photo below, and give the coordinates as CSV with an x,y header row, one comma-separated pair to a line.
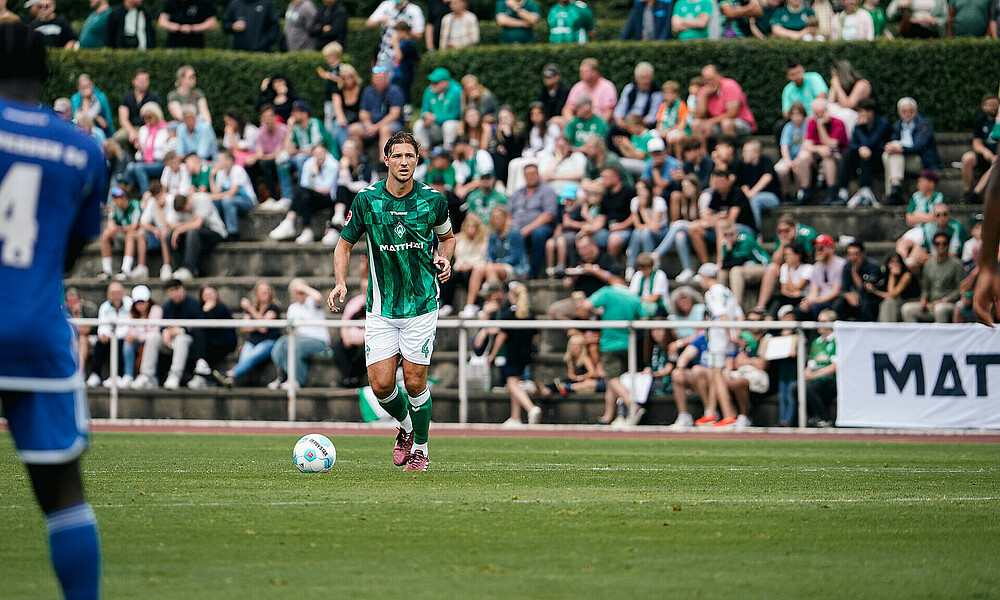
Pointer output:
x,y
52,183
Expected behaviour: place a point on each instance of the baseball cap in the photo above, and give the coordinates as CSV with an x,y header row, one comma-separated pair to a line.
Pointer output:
x,y
569,190
31,3
439,74
140,293
930,175
380,69
709,270
825,240
550,70
784,310
301,105
656,145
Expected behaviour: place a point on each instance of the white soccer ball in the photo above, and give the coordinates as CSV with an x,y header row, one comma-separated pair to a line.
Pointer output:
x,y
314,453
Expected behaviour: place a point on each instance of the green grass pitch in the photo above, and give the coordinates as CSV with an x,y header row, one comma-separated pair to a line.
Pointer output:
x,y
229,517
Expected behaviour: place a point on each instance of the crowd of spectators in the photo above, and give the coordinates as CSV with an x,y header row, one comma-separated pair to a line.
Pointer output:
x,y
594,186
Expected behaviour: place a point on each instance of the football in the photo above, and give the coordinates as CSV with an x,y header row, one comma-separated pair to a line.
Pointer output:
x,y
314,453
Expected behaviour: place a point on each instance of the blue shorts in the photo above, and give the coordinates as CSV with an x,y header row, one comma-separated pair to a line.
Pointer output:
x,y
152,242
49,428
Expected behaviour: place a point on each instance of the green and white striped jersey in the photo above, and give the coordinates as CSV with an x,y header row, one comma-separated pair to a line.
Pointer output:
x,y
402,279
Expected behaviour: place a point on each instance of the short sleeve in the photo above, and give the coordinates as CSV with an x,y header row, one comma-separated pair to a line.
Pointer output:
x,y
442,222
354,223
600,298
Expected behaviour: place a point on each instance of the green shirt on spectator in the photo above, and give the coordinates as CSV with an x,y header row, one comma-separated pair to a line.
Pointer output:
x,y
481,205
971,17
793,21
690,9
823,353
641,141
745,250
619,304
446,106
812,86
129,216
517,35
579,130
448,175
564,24
201,179
804,235
878,19
923,204
93,30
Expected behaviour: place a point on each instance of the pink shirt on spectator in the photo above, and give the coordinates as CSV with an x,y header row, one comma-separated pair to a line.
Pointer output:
x,y
729,91
835,129
604,95
269,142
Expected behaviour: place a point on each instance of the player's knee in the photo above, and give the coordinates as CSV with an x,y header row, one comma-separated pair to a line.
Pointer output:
x,y
415,384
382,389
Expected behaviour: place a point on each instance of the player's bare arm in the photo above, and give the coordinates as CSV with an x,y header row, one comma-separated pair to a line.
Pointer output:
x,y
444,254
988,284
341,263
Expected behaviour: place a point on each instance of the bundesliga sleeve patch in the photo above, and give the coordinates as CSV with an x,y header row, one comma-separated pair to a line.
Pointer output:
x,y
347,220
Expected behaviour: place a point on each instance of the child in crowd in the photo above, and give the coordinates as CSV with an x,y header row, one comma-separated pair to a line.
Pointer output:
x,y
155,224
175,178
581,373
123,219
199,172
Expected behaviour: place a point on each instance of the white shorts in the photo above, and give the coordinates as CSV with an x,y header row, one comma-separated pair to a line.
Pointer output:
x,y
412,337
915,235
719,347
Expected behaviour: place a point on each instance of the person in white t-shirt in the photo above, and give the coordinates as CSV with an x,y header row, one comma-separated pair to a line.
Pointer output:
x,y
232,192
307,305
721,305
649,223
651,285
156,219
175,178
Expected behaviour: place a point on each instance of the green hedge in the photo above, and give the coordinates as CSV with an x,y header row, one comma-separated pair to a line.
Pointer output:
x,y
77,10
946,77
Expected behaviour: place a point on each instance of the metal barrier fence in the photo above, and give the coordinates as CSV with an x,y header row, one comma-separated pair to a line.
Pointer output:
x,y
464,327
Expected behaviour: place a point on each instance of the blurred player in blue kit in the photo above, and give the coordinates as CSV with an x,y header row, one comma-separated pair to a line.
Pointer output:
x,y
52,181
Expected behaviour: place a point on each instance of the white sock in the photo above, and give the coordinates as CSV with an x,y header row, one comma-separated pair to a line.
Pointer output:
x,y
407,423
421,447
127,264
106,264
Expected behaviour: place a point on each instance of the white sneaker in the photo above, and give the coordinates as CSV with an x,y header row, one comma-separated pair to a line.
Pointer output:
x,y
287,385
139,272
143,382
635,416
620,422
183,274
122,276
469,312
125,381
511,423
202,368
94,380
108,382
331,237
269,205
172,383
684,276
445,310
535,415
274,385
742,422
684,420
284,231
166,273
283,204
197,382
337,221
307,236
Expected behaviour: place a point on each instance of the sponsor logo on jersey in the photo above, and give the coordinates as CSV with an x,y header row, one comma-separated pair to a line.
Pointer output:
x,y
396,213
401,247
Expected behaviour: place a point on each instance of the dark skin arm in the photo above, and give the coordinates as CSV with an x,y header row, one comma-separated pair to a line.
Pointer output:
x,y
988,284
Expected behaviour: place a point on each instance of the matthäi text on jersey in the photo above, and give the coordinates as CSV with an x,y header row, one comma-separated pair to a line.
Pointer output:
x,y
401,247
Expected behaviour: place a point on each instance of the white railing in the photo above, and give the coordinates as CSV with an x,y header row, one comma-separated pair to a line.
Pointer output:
x,y
463,326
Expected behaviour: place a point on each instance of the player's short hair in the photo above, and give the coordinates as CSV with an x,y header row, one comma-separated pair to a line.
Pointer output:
x,y
22,53
401,137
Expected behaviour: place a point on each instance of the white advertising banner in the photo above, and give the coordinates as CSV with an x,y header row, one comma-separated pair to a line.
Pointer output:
x,y
918,376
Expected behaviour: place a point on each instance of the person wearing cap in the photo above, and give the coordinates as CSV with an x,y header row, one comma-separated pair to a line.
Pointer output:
x,y
481,200
194,134
915,245
307,132
460,27
912,145
441,165
143,307
648,20
55,29
553,94
380,111
253,23
720,305
386,15
40,384
827,277
660,167
517,20
600,90
441,111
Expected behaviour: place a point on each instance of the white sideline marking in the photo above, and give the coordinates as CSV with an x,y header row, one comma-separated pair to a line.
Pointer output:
x,y
688,502
565,467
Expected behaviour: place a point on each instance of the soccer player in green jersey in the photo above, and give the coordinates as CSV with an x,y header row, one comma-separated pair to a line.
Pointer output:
x,y
402,218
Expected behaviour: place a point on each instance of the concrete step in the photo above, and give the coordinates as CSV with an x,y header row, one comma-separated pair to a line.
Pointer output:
x,y
320,404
